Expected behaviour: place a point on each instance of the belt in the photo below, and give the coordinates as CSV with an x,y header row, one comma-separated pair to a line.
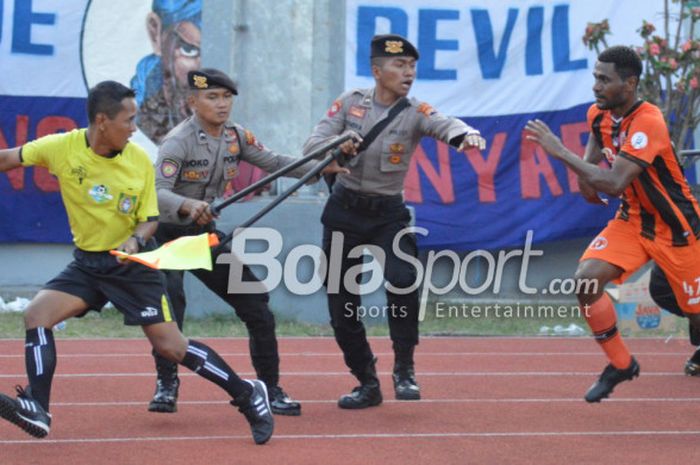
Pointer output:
x,y
373,203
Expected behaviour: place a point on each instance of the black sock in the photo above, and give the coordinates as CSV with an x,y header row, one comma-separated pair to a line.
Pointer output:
x,y
40,361
209,365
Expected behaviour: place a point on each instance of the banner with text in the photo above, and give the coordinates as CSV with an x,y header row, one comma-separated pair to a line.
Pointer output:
x,y
497,64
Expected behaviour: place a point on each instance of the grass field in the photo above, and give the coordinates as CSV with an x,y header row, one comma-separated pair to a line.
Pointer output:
x,y
456,319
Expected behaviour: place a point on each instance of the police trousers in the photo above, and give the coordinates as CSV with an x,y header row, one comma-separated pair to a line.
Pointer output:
x,y
252,309
369,220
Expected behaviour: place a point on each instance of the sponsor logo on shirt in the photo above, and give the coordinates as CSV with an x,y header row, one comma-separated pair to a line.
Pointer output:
x,y
639,140
80,173
100,193
599,243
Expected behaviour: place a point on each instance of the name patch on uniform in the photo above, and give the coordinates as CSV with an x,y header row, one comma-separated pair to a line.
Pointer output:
x,y
195,175
335,108
357,112
126,203
169,168
426,109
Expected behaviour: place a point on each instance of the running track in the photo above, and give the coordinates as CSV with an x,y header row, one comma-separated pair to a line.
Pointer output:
x,y
486,401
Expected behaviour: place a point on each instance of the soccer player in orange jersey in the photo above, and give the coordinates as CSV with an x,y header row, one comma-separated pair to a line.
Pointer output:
x,y
658,219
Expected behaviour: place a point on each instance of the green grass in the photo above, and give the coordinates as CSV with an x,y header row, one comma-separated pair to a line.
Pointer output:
x,y
457,319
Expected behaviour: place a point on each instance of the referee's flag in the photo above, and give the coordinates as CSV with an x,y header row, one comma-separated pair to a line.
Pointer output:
x,y
184,253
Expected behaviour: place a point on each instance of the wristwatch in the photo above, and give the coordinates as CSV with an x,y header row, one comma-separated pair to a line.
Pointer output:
x,y
140,241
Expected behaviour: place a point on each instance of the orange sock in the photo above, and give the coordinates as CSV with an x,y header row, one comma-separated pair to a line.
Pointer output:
x,y
603,322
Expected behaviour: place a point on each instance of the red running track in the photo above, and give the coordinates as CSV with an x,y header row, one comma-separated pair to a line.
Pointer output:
x,y
486,401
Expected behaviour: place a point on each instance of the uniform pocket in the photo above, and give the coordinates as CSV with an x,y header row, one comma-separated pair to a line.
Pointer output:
x,y
394,156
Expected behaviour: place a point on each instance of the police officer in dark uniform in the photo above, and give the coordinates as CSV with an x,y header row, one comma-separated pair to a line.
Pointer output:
x,y
367,207
196,161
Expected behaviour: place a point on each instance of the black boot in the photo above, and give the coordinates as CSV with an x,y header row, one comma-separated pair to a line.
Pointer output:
x,y
167,385
404,376
367,394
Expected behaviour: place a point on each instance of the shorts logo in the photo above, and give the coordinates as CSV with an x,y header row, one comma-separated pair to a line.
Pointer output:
x,y
335,108
169,168
150,312
100,193
599,243
126,203
639,140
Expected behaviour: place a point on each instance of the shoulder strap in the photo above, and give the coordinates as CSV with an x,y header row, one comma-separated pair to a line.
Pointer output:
x,y
379,127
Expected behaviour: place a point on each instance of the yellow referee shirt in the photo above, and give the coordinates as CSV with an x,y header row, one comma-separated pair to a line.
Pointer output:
x,y
104,197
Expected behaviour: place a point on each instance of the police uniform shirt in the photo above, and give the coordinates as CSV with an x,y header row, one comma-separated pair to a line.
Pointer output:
x,y
104,197
382,167
192,164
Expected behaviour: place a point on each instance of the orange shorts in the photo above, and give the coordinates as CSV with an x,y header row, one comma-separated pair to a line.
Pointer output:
x,y
620,244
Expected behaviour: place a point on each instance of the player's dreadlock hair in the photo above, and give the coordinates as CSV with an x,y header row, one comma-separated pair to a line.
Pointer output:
x,y
106,97
626,60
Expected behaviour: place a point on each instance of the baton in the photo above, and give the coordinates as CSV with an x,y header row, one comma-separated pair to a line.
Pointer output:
x,y
216,209
317,169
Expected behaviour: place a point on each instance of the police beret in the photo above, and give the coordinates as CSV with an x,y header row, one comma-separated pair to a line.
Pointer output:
x,y
392,45
210,78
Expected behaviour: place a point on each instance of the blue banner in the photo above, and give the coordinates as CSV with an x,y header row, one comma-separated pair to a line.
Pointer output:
x,y
496,65
490,200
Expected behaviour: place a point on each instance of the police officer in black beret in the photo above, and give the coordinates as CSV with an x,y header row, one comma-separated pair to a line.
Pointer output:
x,y
366,206
196,161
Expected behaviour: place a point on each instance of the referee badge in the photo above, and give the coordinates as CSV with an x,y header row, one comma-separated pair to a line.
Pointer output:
x,y
126,203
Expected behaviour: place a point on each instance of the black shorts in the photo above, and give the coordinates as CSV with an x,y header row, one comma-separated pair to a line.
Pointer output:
x,y
137,291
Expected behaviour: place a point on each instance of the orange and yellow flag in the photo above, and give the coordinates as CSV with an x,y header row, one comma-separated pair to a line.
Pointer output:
x,y
183,253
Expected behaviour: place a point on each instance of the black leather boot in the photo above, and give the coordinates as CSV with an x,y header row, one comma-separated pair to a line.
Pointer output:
x,y
167,386
367,394
404,376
